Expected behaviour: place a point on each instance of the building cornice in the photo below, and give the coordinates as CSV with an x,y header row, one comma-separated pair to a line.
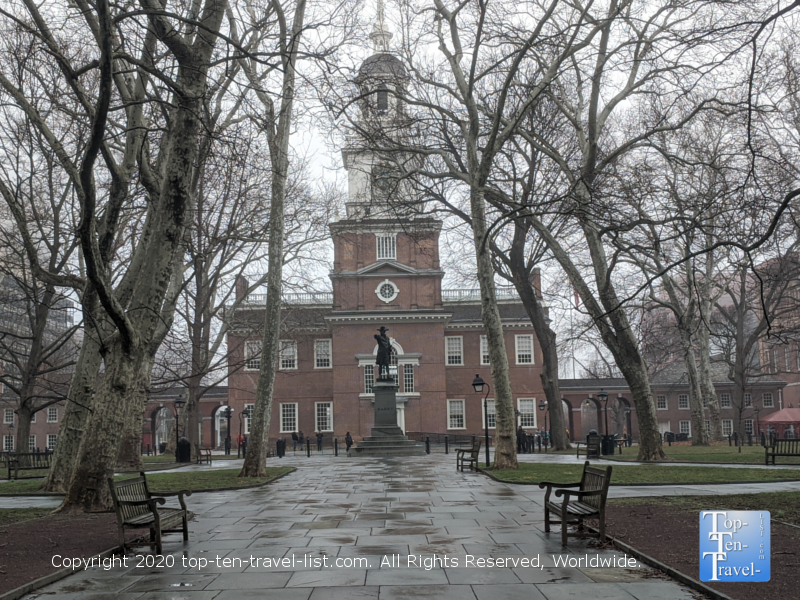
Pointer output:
x,y
389,317
408,225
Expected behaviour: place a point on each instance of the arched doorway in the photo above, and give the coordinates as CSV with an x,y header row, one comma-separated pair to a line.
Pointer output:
x,y
569,419
162,422
220,427
590,416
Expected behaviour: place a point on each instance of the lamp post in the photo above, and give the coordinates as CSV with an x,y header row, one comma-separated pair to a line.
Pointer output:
x,y
543,406
477,385
179,403
758,424
227,414
602,395
629,424
242,416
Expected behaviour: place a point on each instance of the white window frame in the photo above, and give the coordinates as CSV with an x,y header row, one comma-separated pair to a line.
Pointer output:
x,y
386,246
288,355
485,350
408,378
460,350
286,408
8,416
451,414
369,379
252,355
387,299
748,400
529,338
748,426
52,438
8,443
688,427
248,420
31,443
658,403
725,401
727,426
317,406
768,396
320,356
492,414
681,398
522,402
52,414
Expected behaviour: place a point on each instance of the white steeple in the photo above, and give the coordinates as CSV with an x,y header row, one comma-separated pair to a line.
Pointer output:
x,y
380,36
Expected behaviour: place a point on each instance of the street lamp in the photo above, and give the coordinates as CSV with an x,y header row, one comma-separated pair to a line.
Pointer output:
x,y
602,395
227,413
758,423
477,385
543,406
179,403
242,416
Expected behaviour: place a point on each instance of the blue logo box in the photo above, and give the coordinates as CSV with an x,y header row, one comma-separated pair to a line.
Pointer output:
x,y
734,545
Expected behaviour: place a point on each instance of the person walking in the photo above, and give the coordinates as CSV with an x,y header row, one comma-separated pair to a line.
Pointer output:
x,y
301,439
520,439
348,439
294,441
319,441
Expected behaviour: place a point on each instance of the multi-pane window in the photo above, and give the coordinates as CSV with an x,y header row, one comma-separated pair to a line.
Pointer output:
x,y
51,440
724,400
33,417
8,443
288,417
727,427
31,443
484,350
52,414
408,378
383,99
249,418
369,378
527,412
387,247
454,347
748,400
685,427
324,415
455,414
786,362
768,401
661,402
322,354
8,415
288,354
775,365
524,349
252,355
748,426
491,415
683,401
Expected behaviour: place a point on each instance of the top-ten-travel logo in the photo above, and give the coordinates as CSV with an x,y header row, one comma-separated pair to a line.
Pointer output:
x,y
734,545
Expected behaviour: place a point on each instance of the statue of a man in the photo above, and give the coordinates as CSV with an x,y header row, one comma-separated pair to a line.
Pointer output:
x,y
385,351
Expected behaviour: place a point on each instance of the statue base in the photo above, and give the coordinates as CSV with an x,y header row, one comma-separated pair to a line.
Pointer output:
x,y
387,438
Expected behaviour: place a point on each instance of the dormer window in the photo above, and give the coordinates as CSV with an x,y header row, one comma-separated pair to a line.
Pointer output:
x,y
383,100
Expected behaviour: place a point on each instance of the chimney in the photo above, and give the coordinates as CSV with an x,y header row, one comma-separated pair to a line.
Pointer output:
x,y
241,287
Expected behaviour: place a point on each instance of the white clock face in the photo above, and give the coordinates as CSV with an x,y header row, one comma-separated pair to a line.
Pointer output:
x,y
387,291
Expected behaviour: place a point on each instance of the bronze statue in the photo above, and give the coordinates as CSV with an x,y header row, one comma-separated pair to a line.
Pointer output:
x,y
385,352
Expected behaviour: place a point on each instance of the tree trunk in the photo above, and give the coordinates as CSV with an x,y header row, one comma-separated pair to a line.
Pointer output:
x,y
24,416
545,335
192,414
129,457
695,393
706,383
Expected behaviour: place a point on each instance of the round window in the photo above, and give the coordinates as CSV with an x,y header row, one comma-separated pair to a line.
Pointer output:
x,y
387,291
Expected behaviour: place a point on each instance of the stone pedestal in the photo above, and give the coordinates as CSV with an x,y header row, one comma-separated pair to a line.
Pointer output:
x,y
387,438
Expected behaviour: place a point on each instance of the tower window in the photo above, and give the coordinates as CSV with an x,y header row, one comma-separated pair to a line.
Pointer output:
x,y
387,247
383,100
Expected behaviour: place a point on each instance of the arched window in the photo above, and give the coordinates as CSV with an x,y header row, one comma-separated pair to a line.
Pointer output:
x,y
383,100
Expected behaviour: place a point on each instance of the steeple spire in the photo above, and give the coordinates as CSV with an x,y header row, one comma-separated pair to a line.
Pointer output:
x,y
380,36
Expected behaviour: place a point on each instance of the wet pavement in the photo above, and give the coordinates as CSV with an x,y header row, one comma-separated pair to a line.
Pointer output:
x,y
381,529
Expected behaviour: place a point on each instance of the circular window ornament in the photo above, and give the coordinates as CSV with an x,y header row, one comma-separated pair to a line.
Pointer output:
x,y
387,291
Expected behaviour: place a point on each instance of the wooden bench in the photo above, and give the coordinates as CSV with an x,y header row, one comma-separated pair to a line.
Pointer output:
x,y
203,454
468,457
588,502
782,448
591,446
137,508
28,461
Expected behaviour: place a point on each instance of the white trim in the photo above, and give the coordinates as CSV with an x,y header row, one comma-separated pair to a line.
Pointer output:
x,y
666,402
54,410
394,317
285,344
681,422
687,402
387,299
248,421
483,413
330,352
535,413
516,348
330,415
248,354
463,414
392,246
484,342
447,362
296,417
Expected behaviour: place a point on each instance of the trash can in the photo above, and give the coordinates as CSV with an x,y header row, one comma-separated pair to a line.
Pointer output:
x,y
607,445
184,452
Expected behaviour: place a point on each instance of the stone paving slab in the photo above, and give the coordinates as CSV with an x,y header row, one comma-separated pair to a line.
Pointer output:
x,y
401,529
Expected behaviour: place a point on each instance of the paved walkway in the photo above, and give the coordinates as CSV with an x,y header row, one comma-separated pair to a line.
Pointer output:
x,y
355,529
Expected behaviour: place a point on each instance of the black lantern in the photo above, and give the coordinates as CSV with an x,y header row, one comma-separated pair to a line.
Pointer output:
x,y
477,384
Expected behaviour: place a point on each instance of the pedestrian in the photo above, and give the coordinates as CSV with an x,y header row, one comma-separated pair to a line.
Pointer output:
x,y
244,447
294,441
520,439
301,439
319,441
348,439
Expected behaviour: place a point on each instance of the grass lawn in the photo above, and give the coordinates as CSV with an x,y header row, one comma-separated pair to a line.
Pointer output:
x,y
196,481
15,515
633,474
782,506
170,458
718,452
